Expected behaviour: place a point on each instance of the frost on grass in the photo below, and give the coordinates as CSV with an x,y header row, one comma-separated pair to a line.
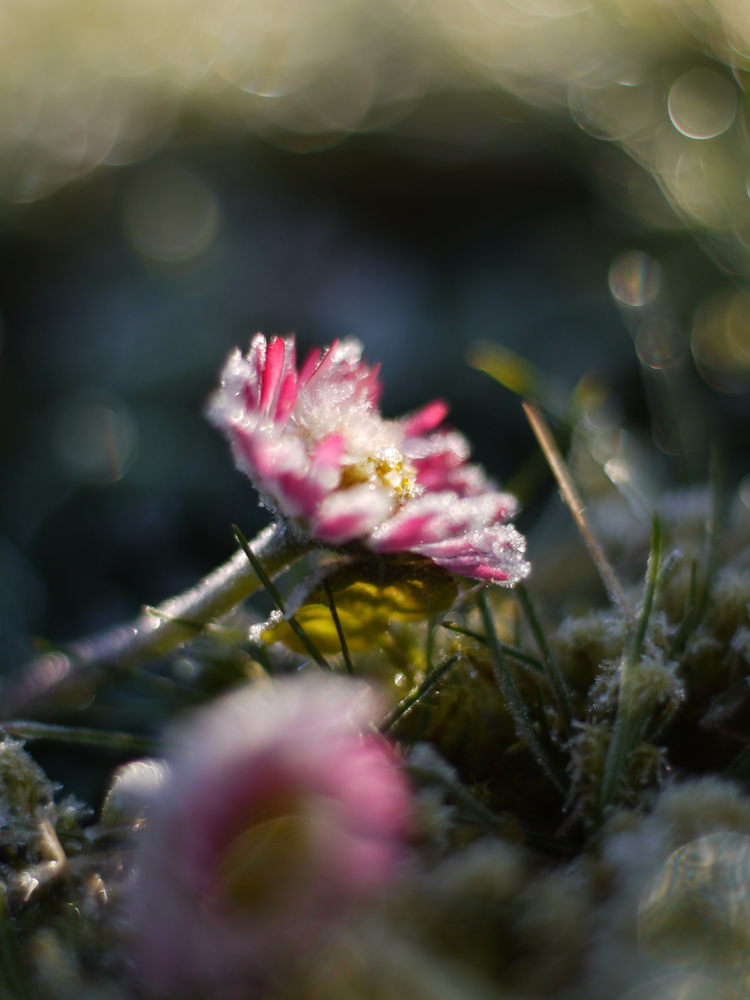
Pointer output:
x,y
503,886
24,787
290,850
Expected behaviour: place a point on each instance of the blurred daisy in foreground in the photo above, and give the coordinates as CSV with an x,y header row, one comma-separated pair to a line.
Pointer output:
x,y
281,810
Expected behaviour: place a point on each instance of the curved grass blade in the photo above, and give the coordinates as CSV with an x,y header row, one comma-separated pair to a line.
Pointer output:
x,y
278,600
630,724
512,651
551,667
432,678
514,702
76,734
665,570
689,619
339,629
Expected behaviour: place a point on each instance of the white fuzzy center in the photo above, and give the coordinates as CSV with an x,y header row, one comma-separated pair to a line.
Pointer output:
x,y
372,446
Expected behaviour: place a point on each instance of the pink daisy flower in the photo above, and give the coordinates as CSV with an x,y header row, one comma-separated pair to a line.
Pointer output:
x,y
279,812
321,455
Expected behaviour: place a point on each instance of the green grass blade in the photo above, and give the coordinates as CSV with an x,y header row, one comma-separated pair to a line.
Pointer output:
x,y
513,700
666,568
278,600
339,629
630,725
627,733
689,618
419,692
80,735
512,651
551,667
652,575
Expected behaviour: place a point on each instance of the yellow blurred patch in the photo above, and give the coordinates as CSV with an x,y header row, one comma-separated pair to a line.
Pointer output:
x,y
369,594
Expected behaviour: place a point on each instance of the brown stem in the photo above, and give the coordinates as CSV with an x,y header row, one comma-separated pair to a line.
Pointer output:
x,y
577,508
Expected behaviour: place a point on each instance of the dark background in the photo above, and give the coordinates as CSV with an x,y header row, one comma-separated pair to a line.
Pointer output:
x,y
459,225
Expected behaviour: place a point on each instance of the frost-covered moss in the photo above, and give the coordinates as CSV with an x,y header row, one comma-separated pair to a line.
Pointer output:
x,y
515,887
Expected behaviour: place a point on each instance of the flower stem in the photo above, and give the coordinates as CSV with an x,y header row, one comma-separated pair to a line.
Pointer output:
x,y
156,632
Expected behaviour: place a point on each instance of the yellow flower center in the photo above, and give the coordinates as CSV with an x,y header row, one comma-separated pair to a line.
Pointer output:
x,y
389,469
261,866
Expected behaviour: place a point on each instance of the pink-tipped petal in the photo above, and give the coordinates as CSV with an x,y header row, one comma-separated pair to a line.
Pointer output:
x,y
435,517
495,554
449,447
349,514
272,372
440,461
425,420
427,519
256,360
309,365
329,452
287,397
369,387
405,534
307,484
506,507
326,361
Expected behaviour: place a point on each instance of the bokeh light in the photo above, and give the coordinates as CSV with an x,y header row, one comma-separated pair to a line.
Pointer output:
x,y
683,987
95,440
721,341
659,344
702,104
169,214
86,85
634,279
